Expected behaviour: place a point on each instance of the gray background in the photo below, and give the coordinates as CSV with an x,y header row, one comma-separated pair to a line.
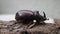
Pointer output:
x,y
50,7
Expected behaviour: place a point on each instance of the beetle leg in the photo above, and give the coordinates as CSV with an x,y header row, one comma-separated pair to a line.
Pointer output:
x,y
32,25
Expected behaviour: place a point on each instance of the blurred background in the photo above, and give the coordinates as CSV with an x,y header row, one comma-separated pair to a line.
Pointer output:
x,y
8,8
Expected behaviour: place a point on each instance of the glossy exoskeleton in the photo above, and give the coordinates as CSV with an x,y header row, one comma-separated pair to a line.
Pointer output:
x,y
25,16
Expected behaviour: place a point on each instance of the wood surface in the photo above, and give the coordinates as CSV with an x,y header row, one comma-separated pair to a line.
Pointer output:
x,y
8,27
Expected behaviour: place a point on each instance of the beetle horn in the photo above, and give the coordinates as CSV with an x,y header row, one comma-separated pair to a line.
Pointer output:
x,y
44,14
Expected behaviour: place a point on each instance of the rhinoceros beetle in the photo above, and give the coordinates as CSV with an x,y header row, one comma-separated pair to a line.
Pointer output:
x,y
25,16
